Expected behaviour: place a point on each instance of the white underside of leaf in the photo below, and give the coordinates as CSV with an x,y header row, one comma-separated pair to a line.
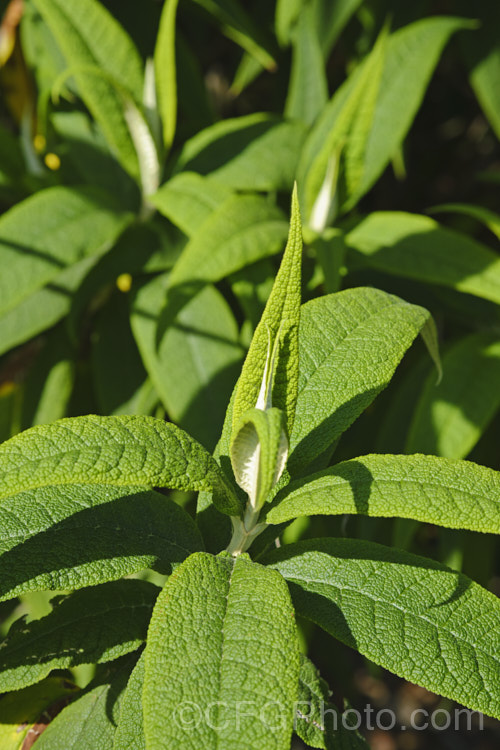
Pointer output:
x,y
246,460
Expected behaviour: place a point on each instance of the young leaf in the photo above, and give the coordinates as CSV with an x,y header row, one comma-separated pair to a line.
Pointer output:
x,y
350,344
256,152
276,332
50,231
69,537
222,637
116,451
411,615
90,721
449,418
24,713
165,71
73,632
458,494
96,49
417,247
130,729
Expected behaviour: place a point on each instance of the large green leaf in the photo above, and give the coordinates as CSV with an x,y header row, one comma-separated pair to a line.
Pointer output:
x,y
25,711
450,418
130,730
89,722
67,537
196,364
50,231
115,451
457,494
256,152
188,199
417,247
99,52
222,636
73,632
277,332
350,344
413,616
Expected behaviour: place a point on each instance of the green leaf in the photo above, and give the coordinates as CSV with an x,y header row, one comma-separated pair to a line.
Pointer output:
x,y
97,49
238,25
257,152
222,632
413,616
68,537
27,710
318,722
50,231
130,730
482,56
450,418
350,344
89,722
196,364
412,55
308,88
277,331
286,15
49,385
188,199
165,71
417,247
244,229
489,218
73,632
446,492
115,451
331,19
44,308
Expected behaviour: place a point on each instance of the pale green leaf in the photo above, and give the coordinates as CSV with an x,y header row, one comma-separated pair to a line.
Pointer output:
x,y
90,721
417,247
277,331
51,230
165,71
446,492
350,344
449,418
286,15
413,616
72,633
222,632
68,537
92,40
255,152
188,199
130,730
114,451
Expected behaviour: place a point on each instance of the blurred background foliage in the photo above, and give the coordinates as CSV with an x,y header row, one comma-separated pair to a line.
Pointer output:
x,y
147,155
